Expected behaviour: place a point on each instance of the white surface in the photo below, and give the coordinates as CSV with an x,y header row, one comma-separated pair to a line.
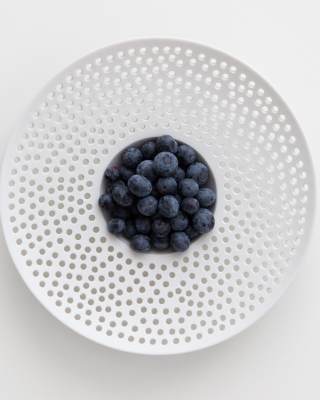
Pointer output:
x,y
82,121
41,357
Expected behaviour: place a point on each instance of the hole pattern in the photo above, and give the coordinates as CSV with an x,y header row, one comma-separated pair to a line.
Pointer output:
x,y
164,302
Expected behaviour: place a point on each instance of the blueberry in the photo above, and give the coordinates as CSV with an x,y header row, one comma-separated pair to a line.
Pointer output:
x,y
179,222
206,197
134,209
199,172
161,227
148,205
122,196
179,174
179,198
167,185
145,168
112,173
188,187
110,185
179,241
203,221
143,224
132,157
165,164
149,150
139,185
116,226
155,192
191,232
168,206
106,202
130,229
126,173
160,243
166,143
118,183
121,212
140,243
186,155
190,205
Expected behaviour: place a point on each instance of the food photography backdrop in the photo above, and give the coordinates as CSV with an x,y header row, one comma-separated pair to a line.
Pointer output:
x,y
278,356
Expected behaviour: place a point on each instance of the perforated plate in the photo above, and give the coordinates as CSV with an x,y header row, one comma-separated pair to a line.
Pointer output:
x,y
157,303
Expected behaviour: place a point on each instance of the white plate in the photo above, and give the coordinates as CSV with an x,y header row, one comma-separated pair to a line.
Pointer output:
x,y
157,303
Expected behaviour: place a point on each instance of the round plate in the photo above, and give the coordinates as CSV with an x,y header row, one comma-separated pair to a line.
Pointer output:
x,y
157,303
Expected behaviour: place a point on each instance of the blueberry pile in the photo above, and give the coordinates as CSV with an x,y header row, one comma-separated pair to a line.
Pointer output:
x,y
154,197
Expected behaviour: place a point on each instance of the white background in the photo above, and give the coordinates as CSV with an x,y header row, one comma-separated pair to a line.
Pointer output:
x,y
276,358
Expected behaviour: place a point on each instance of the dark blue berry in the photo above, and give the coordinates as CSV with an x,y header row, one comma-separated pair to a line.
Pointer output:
x,y
106,202
179,222
113,173
130,229
166,143
191,232
203,221
140,243
122,196
126,173
134,209
149,150
188,187
179,174
168,206
132,157
199,172
167,185
179,241
145,168
179,198
118,183
161,227
143,224
165,164
121,212
110,185
206,197
139,185
186,155
190,205
155,192
116,226
148,205
160,243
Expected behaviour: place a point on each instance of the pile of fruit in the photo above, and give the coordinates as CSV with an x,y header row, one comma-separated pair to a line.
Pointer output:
x,y
155,196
